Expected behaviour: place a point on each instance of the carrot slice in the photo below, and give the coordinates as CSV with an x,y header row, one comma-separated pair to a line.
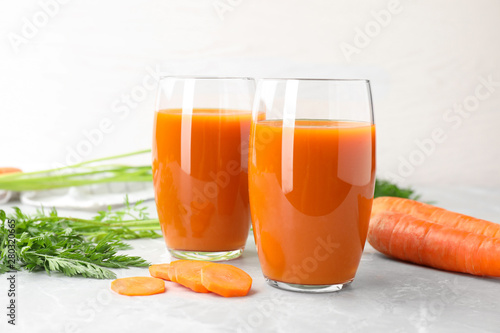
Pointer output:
x,y
171,273
226,280
138,286
160,271
188,273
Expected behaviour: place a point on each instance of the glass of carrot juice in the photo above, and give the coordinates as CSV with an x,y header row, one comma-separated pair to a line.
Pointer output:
x,y
311,180
200,165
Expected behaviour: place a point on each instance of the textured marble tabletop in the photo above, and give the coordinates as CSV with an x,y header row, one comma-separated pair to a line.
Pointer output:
x,y
386,296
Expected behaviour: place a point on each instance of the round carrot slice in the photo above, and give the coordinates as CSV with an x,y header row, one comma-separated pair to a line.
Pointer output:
x,y
226,280
138,286
160,271
188,273
172,272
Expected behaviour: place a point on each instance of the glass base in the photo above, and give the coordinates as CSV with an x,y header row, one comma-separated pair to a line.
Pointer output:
x,y
308,288
206,256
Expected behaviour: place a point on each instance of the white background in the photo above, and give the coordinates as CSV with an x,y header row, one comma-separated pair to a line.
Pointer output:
x,y
73,72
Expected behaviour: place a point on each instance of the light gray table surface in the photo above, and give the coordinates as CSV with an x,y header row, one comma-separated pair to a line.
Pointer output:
x,y
386,295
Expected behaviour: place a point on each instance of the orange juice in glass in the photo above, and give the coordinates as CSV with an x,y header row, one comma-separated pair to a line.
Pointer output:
x,y
200,165
311,180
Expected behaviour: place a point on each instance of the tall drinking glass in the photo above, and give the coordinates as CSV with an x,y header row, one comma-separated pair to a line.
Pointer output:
x,y
311,180
200,165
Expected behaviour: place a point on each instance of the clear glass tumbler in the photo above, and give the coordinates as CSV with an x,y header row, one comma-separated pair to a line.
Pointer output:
x,y
311,180
200,165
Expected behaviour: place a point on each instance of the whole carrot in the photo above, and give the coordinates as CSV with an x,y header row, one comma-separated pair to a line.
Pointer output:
x,y
423,242
437,215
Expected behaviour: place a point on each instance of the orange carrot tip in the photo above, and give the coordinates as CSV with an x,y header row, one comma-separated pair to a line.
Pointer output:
x,y
160,271
9,170
225,280
138,286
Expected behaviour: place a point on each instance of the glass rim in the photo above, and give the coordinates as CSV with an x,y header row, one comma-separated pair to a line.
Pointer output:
x,y
201,77
312,79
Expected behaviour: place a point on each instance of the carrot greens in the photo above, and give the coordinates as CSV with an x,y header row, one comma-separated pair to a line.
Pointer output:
x,y
385,188
73,246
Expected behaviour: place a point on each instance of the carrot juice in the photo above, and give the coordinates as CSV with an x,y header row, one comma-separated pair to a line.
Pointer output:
x,y
311,191
201,178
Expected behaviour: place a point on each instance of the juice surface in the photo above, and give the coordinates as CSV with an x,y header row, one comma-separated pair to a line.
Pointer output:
x,y
201,178
311,191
